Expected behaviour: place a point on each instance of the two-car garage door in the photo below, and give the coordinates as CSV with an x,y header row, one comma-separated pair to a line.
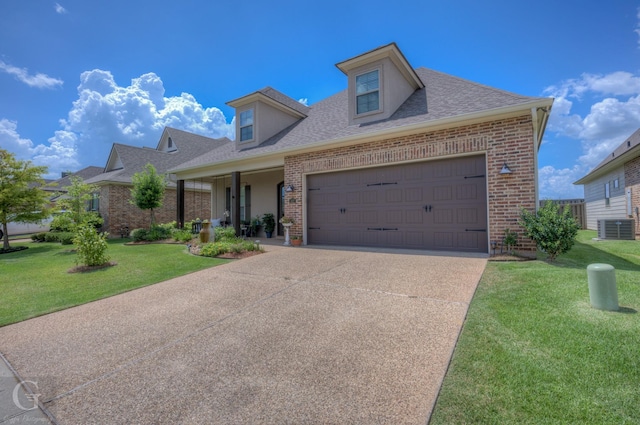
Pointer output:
x,y
435,205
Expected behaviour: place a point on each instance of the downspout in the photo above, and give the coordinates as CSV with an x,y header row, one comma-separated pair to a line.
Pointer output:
x,y
539,123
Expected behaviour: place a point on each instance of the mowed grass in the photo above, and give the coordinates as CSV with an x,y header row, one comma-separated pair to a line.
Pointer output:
x,y
36,281
533,350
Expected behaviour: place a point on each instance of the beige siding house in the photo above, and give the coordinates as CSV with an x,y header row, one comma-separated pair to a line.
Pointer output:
x,y
403,157
612,188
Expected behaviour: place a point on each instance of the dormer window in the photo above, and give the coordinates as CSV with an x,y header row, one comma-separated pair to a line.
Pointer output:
x,y
170,143
246,125
368,92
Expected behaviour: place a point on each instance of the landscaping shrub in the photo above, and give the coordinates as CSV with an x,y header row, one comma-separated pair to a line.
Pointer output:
x,y
182,235
91,247
158,233
224,233
139,235
553,231
62,223
93,219
51,237
66,238
39,237
235,245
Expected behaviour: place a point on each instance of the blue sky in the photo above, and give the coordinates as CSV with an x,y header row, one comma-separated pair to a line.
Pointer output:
x,y
77,75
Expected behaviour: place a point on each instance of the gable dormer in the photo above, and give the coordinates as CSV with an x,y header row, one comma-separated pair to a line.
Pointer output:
x,y
379,82
166,143
264,114
114,162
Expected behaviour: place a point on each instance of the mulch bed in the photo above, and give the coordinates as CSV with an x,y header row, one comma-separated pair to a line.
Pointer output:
x,y
507,257
14,249
86,269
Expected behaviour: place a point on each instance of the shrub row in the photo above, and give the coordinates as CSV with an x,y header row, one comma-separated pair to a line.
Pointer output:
x,y
65,238
224,246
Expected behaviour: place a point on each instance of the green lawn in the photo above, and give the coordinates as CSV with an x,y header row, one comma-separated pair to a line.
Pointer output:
x,y
35,281
533,351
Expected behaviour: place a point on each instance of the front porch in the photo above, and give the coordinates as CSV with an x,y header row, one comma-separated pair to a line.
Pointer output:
x,y
237,198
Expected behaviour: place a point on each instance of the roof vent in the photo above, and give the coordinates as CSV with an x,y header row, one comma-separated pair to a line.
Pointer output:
x,y
628,143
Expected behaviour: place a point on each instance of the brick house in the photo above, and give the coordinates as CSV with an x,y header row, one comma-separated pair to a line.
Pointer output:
x,y
174,147
612,188
403,157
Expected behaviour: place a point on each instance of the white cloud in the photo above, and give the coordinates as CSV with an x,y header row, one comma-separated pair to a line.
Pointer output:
x,y
600,111
557,183
59,9
39,80
105,112
304,101
59,155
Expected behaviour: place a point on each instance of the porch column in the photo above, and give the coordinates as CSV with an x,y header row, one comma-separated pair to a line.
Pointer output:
x,y
235,201
180,204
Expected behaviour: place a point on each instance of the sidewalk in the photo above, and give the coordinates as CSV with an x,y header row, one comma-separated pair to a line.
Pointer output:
x,y
18,399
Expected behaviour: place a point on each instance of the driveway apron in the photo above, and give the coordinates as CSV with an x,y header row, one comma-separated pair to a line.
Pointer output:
x,y
296,335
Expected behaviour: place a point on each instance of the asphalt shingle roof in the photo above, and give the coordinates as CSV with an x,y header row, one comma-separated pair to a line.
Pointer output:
x,y
85,174
444,96
134,159
624,147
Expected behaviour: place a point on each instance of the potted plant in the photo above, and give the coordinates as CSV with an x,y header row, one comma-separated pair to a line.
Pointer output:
x,y
269,223
296,240
255,226
287,221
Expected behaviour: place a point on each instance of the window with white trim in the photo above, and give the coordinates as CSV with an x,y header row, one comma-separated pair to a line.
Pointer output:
x,y
368,92
246,125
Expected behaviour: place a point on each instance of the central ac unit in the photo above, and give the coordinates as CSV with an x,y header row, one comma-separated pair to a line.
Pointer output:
x,y
612,228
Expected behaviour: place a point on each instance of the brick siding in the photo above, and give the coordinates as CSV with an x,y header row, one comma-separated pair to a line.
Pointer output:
x,y
509,140
118,212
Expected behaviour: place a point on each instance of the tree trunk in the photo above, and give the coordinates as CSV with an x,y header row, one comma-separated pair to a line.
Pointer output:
x,y
5,238
153,218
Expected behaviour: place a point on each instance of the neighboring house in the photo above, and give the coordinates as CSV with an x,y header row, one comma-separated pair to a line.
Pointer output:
x,y
612,189
402,158
115,181
58,188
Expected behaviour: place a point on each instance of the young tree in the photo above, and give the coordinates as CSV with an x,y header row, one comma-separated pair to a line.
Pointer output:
x,y
148,190
553,231
21,198
76,199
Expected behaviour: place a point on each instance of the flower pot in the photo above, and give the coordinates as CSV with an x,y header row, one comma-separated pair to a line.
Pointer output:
x,y
269,234
296,242
204,232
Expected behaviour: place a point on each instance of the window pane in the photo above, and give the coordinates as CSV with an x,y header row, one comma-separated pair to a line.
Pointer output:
x,y
367,82
367,102
246,117
246,133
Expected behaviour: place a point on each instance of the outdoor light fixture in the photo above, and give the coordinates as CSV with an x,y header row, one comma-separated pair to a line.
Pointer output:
x,y
289,188
505,169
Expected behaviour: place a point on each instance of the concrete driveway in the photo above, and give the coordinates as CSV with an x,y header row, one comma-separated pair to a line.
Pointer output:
x,y
293,336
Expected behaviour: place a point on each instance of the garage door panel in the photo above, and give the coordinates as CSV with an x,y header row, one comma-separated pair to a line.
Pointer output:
x,y
431,204
442,193
415,216
443,216
354,198
370,197
393,195
413,194
394,217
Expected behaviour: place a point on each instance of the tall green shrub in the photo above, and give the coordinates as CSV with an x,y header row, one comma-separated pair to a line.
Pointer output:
x,y
91,246
553,231
148,191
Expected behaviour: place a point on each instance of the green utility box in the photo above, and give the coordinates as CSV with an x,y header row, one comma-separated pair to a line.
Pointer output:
x,y
603,292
